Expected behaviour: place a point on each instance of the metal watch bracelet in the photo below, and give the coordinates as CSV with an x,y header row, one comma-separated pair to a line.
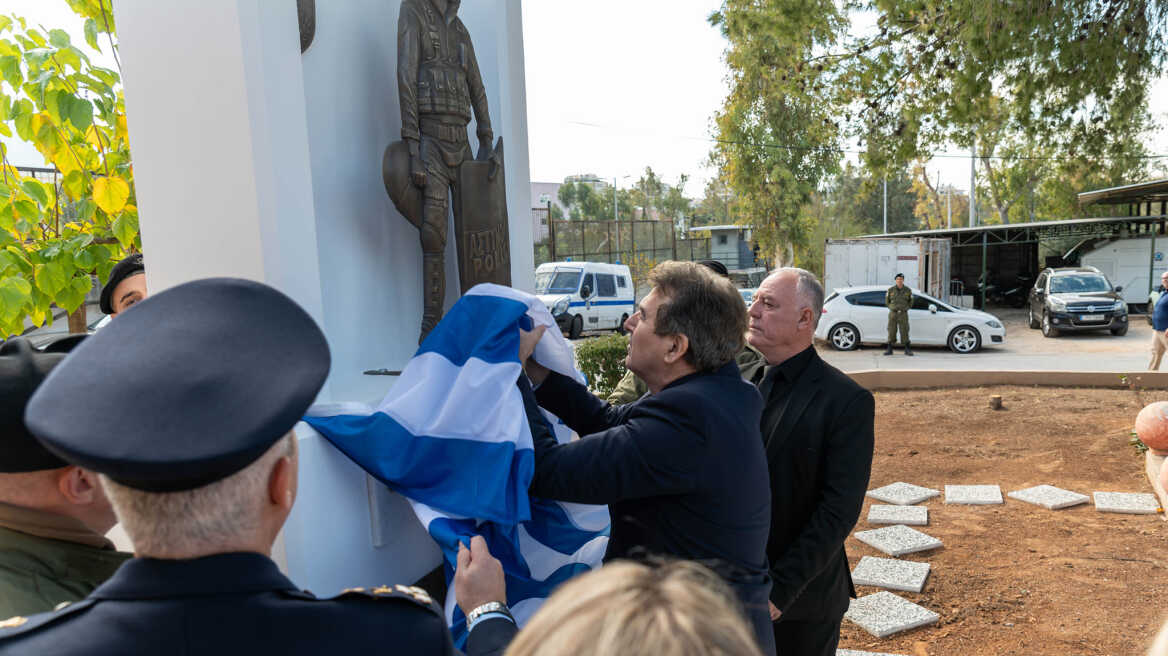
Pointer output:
x,y
489,607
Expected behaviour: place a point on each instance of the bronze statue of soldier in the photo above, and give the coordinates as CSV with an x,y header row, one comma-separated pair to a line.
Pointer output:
x,y
439,85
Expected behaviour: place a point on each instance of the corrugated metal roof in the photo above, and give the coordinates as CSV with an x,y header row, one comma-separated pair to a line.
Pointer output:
x,y
1140,192
941,232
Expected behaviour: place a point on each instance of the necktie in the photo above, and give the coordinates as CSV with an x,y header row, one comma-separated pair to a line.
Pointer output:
x,y
767,385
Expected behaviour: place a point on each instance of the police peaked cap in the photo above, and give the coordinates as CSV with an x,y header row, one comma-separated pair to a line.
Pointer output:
x,y
128,266
192,386
21,370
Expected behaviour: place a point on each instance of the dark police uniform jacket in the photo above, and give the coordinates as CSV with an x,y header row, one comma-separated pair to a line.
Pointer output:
x,y
683,472
238,603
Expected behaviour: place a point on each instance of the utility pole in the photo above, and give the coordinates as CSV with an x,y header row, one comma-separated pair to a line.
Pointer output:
x,y
616,218
885,204
949,207
972,182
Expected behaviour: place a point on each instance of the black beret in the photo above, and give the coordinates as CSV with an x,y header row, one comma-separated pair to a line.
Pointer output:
x,y
129,265
715,266
21,370
899,275
192,386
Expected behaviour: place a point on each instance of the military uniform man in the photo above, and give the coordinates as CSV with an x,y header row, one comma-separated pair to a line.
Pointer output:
x,y
438,86
899,300
53,515
203,475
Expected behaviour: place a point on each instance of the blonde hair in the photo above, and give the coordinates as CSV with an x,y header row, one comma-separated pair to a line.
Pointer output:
x,y
170,524
676,609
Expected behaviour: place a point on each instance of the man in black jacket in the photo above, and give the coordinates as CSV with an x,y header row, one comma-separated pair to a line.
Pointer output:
x,y
682,469
817,428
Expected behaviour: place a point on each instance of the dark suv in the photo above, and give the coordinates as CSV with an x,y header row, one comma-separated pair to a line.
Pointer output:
x,y
1076,299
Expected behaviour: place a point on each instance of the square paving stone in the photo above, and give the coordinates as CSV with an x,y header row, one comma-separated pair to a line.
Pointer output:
x,y
903,575
903,494
884,613
908,515
898,540
1049,497
1132,503
853,652
973,495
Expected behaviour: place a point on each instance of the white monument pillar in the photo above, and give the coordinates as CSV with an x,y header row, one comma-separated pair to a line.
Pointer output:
x,y
254,160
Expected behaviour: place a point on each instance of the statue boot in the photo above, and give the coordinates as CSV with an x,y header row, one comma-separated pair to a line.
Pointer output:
x,y
434,291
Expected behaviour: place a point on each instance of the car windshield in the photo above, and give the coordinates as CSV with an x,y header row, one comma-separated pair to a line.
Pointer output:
x,y
559,281
1079,283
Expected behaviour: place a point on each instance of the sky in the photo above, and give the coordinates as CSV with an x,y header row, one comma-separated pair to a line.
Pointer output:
x,y
612,87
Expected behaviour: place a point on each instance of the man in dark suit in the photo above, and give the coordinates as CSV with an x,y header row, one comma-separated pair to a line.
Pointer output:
x,y
202,474
817,428
682,469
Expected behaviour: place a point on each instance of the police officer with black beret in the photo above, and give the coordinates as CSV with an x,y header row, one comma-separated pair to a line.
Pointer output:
x,y
126,285
53,515
202,472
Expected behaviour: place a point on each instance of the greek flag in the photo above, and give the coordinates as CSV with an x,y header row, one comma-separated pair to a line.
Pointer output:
x,y
452,437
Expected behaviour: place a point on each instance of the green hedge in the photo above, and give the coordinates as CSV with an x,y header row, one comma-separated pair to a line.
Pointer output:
x,y
602,360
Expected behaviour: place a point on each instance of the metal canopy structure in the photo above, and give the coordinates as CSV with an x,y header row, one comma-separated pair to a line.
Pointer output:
x,y
1141,193
1010,250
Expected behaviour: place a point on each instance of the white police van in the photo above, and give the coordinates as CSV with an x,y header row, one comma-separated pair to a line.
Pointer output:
x,y
586,295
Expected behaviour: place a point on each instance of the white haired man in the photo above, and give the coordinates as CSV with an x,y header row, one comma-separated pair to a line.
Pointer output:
x,y
817,425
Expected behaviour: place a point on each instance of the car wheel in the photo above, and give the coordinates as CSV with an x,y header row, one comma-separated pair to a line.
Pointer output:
x,y
576,328
1048,329
1121,331
964,339
844,337
620,328
1034,322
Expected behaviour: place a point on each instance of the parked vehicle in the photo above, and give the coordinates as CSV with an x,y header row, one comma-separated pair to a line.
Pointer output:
x,y
855,315
1076,299
586,295
748,294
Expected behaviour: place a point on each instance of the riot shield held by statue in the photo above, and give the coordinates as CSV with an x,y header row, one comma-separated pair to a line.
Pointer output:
x,y
431,172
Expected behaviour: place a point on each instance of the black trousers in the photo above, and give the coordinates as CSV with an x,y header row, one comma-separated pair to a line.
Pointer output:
x,y
807,638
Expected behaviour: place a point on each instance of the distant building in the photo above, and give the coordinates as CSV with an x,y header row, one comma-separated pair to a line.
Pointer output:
x,y
731,245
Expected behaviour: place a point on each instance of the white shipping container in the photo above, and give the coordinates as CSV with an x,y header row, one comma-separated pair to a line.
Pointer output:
x,y
1127,263
852,262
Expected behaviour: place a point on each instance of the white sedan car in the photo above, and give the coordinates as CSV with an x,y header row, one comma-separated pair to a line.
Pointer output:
x,y
856,315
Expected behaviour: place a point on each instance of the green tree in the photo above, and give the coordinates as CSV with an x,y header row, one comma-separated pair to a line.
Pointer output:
x,y
55,238
776,138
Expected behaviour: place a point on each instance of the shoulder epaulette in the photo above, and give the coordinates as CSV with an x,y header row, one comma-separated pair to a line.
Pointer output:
x,y
410,593
20,625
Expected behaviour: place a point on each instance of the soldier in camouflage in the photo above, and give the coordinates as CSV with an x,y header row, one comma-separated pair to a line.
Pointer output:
x,y
898,299
439,84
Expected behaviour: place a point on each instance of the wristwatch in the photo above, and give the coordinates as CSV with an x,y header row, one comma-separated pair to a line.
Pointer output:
x,y
489,608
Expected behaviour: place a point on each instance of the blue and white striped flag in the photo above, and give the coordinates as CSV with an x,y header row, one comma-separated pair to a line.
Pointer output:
x,y
452,437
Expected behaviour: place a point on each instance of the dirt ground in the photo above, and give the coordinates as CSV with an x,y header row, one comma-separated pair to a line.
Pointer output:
x,y
1017,578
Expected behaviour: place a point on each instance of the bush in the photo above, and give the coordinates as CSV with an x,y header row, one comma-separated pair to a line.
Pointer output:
x,y
602,360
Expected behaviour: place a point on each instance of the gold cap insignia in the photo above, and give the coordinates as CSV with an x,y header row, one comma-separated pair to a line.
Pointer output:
x,y
382,589
348,590
13,622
